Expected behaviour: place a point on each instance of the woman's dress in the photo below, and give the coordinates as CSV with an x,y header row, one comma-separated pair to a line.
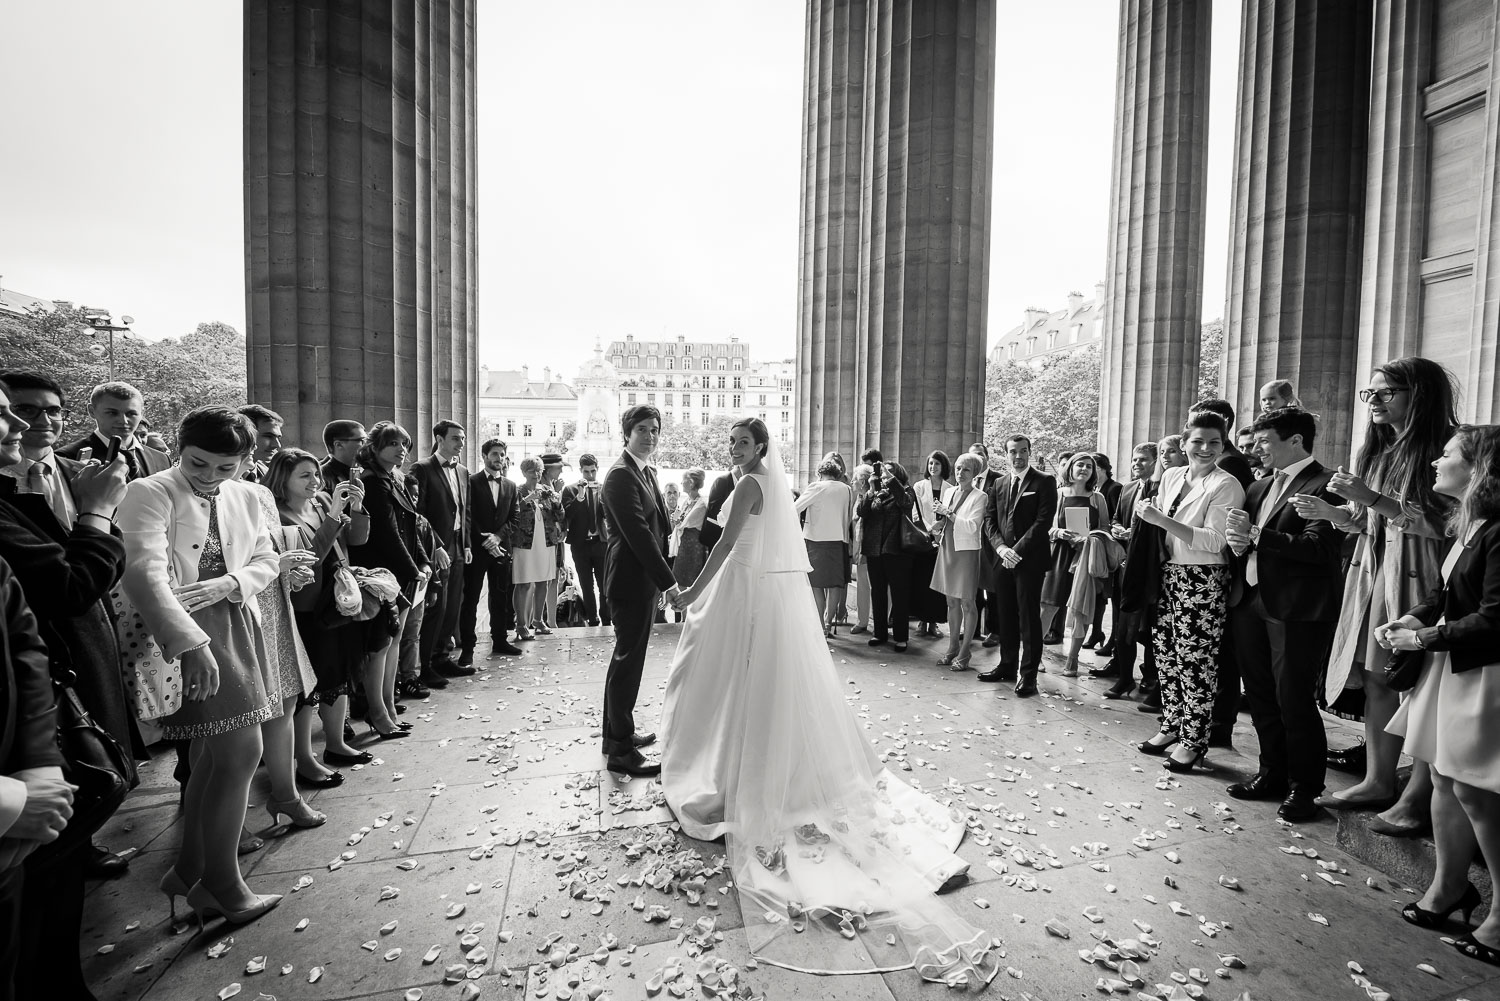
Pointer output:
x,y
538,563
835,859
691,553
1059,582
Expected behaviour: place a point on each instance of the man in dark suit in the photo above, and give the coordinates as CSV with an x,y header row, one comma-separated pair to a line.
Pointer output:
x,y
636,574
718,493
342,440
117,409
1133,626
585,533
268,426
495,508
1016,521
988,598
1284,605
443,499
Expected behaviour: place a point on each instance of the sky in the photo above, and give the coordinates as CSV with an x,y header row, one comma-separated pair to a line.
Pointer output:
x,y
639,166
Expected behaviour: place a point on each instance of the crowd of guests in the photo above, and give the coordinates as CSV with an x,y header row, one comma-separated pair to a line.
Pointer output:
x,y
214,605
1239,571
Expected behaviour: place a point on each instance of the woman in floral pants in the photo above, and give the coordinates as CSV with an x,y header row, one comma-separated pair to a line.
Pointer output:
x,y
1192,508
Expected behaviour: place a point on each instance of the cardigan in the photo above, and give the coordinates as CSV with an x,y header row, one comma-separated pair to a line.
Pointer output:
x,y
967,523
1205,508
1469,603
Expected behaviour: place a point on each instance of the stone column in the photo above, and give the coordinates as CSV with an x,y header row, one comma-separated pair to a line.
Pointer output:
x,y
1154,276
893,294
1293,293
1478,380
359,211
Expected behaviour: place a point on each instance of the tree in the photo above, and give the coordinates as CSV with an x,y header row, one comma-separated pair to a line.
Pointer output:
x,y
1211,354
1055,405
684,444
559,444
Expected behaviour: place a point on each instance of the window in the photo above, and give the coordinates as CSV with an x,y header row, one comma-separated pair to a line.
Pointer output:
x,y
510,429
687,349
1010,351
705,417
1031,345
651,398
670,417
737,383
786,418
617,361
552,429
762,400
739,363
736,401
635,362
525,430
1076,333
720,401
651,361
1051,339
671,363
630,399
786,400
761,415
704,381
707,364
723,363
783,434
721,382
705,405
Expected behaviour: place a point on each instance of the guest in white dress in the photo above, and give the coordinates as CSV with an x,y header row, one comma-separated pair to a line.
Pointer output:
x,y
1451,718
534,545
759,747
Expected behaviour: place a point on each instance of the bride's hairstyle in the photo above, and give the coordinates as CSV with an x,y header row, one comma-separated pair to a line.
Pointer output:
x,y
758,431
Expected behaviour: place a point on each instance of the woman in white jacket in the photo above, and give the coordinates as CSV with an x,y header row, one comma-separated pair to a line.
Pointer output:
x,y
960,517
198,552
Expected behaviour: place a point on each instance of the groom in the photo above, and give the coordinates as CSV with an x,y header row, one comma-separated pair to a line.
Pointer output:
x,y
635,575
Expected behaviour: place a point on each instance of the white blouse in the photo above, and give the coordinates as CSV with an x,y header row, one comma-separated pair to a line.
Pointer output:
x,y
829,505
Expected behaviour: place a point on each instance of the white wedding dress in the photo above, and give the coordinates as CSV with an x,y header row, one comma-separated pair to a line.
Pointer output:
x,y
835,859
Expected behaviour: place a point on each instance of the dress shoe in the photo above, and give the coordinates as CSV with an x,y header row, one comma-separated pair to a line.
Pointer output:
x,y
205,905
1000,673
1379,804
99,863
591,622
1182,767
1259,787
412,688
876,641
1096,639
643,739
1382,826
506,647
340,758
1107,649
1025,689
1120,689
634,763
453,669
1298,805
466,658
328,781
1107,671
1053,638
1468,902
1475,949
990,640
432,679
1149,746
1348,759
856,630
1151,703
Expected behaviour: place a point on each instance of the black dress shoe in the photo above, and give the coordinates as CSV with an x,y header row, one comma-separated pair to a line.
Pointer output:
x,y
340,758
401,711
411,688
1052,639
1120,689
326,782
453,669
1298,805
1260,787
1000,673
1107,671
875,642
432,679
1108,649
506,647
634,763
643,739
1096,638
1348,759
591,622
990,641
98,863
466,659
1151,704
1025,689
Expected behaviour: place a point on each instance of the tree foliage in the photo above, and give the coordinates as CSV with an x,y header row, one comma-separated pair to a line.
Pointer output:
x,y
559,444
175,374
1211,353
1055,405
689,444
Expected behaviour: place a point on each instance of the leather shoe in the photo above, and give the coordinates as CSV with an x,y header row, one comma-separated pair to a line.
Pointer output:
x,y
1150,704
591,622
1000,673
1025,689
1107,671
634,763
991,640
100,864
1052,639
1299,805
1107,650
1260,787
643,739
432,679
506,647
453,669
466,659
412,688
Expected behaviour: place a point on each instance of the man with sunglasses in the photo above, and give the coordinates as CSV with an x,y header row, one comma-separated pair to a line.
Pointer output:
x,y
342,440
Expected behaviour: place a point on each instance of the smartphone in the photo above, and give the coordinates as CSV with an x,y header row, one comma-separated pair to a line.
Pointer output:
x,y
355,472
114,449
85,454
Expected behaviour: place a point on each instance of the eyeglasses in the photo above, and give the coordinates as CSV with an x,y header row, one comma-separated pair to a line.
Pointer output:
x,y
348,441
1383,395
28,412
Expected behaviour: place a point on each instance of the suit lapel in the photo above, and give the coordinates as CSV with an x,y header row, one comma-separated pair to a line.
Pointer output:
x,y
1018,487
1311,470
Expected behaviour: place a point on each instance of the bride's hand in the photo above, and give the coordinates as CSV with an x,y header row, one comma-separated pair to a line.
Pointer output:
x,y
683,599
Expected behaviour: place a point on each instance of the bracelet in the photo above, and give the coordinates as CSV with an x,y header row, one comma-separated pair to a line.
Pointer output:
x,y
102,517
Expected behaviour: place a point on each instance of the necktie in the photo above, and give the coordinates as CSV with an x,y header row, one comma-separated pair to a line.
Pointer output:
x,y
40,480
1267,504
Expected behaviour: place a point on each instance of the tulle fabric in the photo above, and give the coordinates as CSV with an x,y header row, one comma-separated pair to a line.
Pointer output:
x,y
835,859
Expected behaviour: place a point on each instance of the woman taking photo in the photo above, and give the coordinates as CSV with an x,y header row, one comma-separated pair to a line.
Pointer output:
x,y
960,517
1450,719
889,565
197,553
537,533
1081,478
1400,523
395,545
1191,509
326,525
929,605
825,507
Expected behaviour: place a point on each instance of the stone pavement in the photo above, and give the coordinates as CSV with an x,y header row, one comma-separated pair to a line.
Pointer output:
x,y
498,808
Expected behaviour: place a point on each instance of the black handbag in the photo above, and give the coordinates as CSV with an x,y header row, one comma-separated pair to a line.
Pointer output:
x,y
914,541
1404,669
94,762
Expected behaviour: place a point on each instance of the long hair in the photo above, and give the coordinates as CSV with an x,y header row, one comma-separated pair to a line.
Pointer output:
x,y
1480,501
1404,461
381,436
281,467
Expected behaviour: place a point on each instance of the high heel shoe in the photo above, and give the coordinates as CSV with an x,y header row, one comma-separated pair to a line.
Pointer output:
x,y
1475,949
173,886
206,905
328,781
297,813
1173,765
1120,690
1422,918
401,724
1160,750
340,758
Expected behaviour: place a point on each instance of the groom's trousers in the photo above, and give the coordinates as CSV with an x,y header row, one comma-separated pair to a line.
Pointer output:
x,y
632,611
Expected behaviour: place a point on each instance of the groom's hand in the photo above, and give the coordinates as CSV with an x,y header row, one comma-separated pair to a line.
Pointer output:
x,y
670,595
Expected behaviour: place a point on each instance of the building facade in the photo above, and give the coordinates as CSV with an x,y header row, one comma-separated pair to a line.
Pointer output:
x,y
524,413
1042,334
697,381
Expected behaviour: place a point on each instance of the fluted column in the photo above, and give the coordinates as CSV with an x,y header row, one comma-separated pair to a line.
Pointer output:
x,y
1480,378
1296,218
905,371
359,211
1154,276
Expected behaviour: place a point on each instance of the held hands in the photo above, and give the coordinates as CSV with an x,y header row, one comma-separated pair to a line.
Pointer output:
x,y
681,600
200,675
1350,487
203,593
98,488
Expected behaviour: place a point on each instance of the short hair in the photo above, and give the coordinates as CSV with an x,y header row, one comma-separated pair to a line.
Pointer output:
x,y
863,471
946,463
1019,437
281,467
119,390
32,380
1289,421
695,476
258,414
1216,406
441,428
216,429
634,415
492,443
830,470
759,433
872,456
531,465
1073,460
590,459
969,458
981,448
1206,420
1149,447
335,430
381,437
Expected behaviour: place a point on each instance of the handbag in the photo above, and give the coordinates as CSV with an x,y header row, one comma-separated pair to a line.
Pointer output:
x,y
1404,669
94,762
914,540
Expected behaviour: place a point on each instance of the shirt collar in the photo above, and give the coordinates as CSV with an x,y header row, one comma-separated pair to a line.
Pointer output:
x,y
1291,472
642,464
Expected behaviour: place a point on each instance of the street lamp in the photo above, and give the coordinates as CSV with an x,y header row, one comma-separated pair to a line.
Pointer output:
x,y
100,319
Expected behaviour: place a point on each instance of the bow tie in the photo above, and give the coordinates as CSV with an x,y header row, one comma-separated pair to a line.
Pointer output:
x,y
496,477
450,464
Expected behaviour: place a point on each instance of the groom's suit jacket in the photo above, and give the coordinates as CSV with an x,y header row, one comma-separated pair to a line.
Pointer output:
x,y
636,527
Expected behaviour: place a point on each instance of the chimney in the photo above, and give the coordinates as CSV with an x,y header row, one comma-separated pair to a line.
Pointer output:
x,y
1034,316
547,375
1101,289
525,375
630,337
1075,301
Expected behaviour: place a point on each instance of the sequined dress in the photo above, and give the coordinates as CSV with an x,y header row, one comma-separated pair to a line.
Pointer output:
x,y
249,689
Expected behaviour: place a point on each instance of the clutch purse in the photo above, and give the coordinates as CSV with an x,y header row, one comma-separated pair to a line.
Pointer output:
x,y
1404,669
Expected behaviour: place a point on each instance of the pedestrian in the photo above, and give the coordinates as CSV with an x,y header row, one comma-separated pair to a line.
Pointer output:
x,y
929,606
825,506
960,519
882,508
1079,493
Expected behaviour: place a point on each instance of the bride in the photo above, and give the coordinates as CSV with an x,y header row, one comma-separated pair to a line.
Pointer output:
x,y
836,860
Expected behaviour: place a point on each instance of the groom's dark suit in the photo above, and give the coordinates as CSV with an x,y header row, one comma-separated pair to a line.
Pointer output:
x,y
635,532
